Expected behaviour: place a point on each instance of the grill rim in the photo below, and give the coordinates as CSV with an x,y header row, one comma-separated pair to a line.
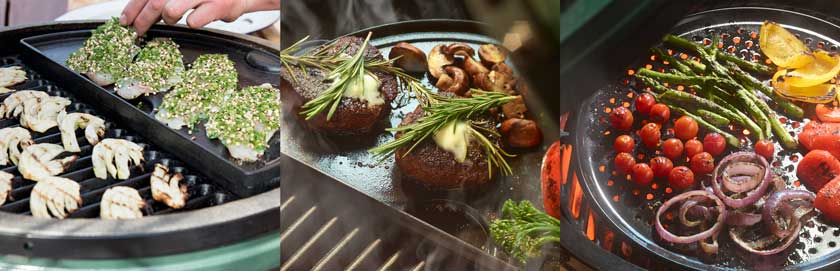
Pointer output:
x,y
165,234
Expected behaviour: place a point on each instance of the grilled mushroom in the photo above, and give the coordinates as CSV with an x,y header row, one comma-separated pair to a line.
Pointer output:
x,y
454,80
11,76
491,54
54,197
438,58
36,162
121,202
411,58
12,142
5,186
94,129
521,133
166,187
13,105
113,156
40,114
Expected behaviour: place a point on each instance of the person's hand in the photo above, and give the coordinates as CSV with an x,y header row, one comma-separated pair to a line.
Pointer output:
x,y
142,14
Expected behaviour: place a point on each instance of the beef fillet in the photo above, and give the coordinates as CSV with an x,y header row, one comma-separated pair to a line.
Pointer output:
x,y
353,116
436,168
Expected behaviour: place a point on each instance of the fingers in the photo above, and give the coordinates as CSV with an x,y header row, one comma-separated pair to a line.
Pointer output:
x,y
131,10
206,13
148,16
174,10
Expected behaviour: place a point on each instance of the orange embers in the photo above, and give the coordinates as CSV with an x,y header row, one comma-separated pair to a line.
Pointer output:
x,y
576,197
590,227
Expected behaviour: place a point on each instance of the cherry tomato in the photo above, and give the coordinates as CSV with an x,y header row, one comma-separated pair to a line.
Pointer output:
x,y
692,147
714,144
702,163
642,174
623,162
621,118
681,178
650,135
765,148
644,102
672,148
661,166
660,113
685,128
624,143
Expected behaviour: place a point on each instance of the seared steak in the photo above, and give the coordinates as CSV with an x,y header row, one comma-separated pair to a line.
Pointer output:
x,y
437,168
353,116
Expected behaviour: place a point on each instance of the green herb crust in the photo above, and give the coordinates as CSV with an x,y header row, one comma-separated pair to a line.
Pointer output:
x,y
206,85
248,118
158,66
109,50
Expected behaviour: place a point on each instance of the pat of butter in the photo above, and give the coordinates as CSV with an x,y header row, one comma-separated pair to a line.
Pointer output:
x,y
454,138
366,90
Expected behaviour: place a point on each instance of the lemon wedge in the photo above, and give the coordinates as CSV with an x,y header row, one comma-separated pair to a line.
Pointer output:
x,y
821,93
824,67
782,47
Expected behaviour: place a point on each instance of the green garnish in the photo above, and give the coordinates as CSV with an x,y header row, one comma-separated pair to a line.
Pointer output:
x,y
441,112
249,117
210,79
109,50
522,230
158,66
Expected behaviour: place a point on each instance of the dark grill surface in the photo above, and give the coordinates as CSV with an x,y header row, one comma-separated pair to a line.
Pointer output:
x,y
203,192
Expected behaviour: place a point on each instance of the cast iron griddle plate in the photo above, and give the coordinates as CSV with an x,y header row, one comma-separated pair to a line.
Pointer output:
x,y
631,208
255,64
348,161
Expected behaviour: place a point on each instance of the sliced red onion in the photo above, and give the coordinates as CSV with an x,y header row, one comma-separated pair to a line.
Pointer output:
x,y
710,248
742,176
757,247
690,206
780,202
670,237
737,163
740,218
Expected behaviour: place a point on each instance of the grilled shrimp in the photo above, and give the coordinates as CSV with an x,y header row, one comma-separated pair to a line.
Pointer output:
x,y
12,142
36,161
121,202
55,197
166,187
68,123
11,76
5,186
40,114
13,105
113,155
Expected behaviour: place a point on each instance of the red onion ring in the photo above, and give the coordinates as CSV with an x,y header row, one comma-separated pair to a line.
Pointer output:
x,y
782,226
721,175
670,237
739,218
710,248
742,177
691,206
764,241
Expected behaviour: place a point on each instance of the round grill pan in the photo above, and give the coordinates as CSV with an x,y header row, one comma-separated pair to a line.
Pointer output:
x,y
629,209
165,231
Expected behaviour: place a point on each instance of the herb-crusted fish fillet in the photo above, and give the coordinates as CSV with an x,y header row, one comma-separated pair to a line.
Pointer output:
x,y
247,121
158,67
107,54
205,86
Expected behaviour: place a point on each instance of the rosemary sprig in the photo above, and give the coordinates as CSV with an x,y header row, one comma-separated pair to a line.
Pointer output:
x,y
349,72
444,111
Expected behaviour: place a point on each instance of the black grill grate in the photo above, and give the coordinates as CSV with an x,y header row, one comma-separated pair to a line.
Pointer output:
x,y
203,192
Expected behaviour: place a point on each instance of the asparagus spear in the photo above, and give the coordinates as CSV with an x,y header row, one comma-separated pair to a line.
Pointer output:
x,y
745,64
712,118
694,100
730,139
689,80
749,81
679,66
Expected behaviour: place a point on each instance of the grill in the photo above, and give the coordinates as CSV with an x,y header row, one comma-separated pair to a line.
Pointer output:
x,y
613,213
219,211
